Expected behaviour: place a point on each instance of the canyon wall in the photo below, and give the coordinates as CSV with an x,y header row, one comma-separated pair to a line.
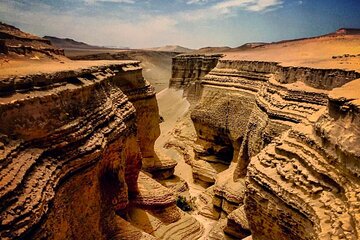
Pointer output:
x,y
242,110
305,185
71,151
187,70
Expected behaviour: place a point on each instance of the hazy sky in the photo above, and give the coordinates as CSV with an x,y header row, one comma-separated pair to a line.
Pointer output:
x,y
190,23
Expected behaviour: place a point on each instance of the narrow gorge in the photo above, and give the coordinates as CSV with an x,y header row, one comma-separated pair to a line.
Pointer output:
x,y
238,147
279,145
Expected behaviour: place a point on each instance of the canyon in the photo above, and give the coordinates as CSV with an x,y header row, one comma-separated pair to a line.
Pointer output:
x,y
261,143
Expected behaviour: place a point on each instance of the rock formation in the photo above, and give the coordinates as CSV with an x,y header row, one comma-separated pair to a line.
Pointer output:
x,y
12,40
59,130
72,146
302,180
156,64
73,140
274,147
188,69
305,185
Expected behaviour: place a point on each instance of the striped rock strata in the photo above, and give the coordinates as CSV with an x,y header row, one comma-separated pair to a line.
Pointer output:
x,y
187,70
242,107
67,138
305,185
154,211
72,144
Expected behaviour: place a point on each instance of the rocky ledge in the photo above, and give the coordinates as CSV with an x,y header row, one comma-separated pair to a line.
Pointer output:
x,y
297,127
78,127
72,143
307,181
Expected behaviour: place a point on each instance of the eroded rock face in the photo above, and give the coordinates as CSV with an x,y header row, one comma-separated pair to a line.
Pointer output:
x,y
302,180
154,211
189,68
142,95
244,105
314,169
69,154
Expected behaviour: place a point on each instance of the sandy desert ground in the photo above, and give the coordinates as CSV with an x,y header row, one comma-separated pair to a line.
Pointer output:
x,y
323,52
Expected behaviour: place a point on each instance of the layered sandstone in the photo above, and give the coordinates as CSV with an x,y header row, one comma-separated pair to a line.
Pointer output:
x,y
244,105
68,138
307,182
73,142
189,68
262,96
155,212
13,40
243,108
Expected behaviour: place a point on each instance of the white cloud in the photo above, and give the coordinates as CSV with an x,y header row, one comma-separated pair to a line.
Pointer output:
x,y
232,3
250,5
106,29
228,8
196,1
109,1
129,26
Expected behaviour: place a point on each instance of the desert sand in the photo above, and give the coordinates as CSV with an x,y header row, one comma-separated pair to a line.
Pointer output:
x,y
340,52
36,65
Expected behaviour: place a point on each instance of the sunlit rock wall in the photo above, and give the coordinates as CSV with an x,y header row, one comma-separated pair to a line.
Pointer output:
x,y
69,152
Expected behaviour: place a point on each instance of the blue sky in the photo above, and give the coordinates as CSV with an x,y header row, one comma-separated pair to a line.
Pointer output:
x,y
190,23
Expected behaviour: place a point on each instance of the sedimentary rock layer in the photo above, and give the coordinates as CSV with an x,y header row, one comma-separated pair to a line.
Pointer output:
x,y
306,184
66,139
244,105
189,68
154,211
302,186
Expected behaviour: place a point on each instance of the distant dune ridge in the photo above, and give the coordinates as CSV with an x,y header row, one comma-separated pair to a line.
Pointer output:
x,y
171,48
253,45
350,31
245,46
67,43
13,40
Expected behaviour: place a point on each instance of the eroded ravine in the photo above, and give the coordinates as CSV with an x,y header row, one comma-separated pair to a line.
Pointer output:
x,y
234,148
174,108
244,107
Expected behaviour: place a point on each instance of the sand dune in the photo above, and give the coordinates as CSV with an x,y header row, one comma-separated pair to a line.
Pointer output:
x,y
341,52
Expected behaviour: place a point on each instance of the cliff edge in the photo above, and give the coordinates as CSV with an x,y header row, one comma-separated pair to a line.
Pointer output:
x,y
277,137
